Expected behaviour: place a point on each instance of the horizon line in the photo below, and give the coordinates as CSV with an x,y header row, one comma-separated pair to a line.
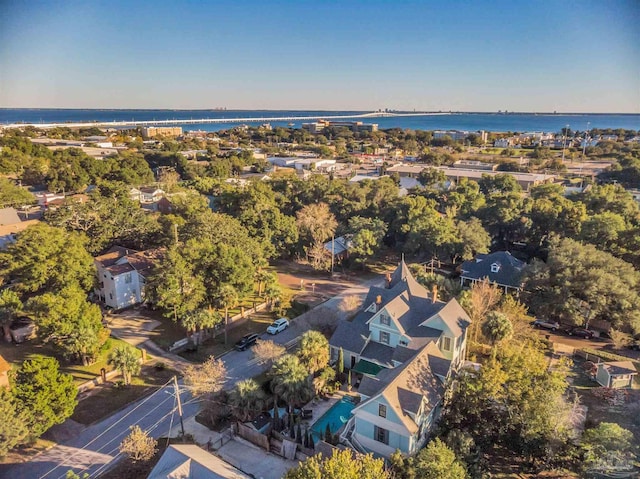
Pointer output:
x,y
221,109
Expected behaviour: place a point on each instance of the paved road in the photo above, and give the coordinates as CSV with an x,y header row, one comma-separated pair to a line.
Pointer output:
x,y
97,446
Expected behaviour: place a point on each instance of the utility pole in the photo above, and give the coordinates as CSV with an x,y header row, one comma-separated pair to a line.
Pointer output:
x,y
333,247
177,390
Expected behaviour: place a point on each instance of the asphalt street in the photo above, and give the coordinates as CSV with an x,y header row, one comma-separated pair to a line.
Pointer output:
x,y
94,449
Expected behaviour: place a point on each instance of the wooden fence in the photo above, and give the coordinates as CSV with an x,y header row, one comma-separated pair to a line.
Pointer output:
x,y
253,436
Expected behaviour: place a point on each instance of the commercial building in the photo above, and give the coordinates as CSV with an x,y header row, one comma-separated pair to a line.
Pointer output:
x,y
156,131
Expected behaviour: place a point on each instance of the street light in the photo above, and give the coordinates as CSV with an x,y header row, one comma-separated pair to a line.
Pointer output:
x,y
584,145
564,140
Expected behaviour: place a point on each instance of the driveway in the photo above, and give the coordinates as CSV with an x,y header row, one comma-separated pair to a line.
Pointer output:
x,y
95,447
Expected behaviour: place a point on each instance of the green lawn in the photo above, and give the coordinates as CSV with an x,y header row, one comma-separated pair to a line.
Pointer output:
x,y
17,353
107,399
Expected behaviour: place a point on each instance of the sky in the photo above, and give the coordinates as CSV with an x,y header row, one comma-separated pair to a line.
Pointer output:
x,y
541,55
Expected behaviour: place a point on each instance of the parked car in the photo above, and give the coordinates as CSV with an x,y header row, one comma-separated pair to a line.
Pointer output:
x,y
542,323
246,341
581,333
278,325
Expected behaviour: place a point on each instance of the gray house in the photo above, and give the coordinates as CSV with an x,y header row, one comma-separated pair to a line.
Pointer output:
x,y
500,268
405,344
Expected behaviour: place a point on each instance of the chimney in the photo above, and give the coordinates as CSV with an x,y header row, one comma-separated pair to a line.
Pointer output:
x,y
435,293
378,302
388,280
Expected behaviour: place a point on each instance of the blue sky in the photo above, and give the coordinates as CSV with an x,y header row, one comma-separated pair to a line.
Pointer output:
x,y
533,55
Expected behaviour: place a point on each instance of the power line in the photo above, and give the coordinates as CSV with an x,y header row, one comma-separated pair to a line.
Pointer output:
x,y
111,427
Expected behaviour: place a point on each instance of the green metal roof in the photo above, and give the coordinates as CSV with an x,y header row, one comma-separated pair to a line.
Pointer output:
x,y
367,367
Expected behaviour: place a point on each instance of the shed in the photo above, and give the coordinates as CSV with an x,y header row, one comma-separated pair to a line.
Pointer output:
x,y
616,374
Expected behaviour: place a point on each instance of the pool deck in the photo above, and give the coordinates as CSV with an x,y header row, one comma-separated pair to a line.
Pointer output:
x,y
320,406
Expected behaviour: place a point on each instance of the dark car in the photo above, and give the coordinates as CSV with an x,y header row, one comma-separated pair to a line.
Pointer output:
x,y
246,341
581,333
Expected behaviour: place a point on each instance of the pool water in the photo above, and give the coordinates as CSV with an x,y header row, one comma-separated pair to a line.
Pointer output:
x,y
335,417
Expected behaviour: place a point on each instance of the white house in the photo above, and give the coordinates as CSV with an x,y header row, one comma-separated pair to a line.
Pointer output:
x,y
122,274
406,344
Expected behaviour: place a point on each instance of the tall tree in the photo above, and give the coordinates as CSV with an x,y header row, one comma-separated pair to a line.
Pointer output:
x,y
497,327
13,427
316,222
226,297
69,321
290,381
200,319
608,447
45,258
435,461
266,352
175,287
205,379
314,351
126,360
247,400
46,395
579,283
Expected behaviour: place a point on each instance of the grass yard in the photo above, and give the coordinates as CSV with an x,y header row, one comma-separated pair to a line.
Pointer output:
x,y
17,353
106,399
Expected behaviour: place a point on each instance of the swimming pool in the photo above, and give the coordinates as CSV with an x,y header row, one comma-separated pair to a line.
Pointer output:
x,y
335,417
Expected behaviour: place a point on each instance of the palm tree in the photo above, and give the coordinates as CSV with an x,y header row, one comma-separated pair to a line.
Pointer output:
x,y
226,297
272,290
497,327
262,276
247,399
314,351
126,360
291,381
10,304
198,320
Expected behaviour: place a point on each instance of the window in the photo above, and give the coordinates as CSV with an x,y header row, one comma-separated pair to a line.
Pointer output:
x,y
382,410
127,278
446,343
384,319
404,342
384,337
495,267
110,296
381,435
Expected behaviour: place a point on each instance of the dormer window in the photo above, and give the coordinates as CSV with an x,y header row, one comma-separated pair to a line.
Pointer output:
x,y
495,267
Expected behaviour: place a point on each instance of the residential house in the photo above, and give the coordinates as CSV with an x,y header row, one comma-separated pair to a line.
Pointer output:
x,y
405,344
150,194
616,374
22,329
11,225
339,247
122,274
500,268
188,461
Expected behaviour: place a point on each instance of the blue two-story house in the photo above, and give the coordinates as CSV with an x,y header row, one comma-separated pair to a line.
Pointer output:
x,y
406,344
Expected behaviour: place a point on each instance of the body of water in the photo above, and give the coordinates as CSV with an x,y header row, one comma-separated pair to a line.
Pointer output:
x,y
519,122
336,417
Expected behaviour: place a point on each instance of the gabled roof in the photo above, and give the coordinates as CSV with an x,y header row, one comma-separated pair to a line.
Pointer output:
x,y
619,367
453,315
509,268
339,245
188,461
404,387
113,254
144,261
9,216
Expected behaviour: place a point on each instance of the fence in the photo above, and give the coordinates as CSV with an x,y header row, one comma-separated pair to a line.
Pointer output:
x,y
252,436
234,321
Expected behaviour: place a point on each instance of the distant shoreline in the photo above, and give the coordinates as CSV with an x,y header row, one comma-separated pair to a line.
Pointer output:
x,y
538,113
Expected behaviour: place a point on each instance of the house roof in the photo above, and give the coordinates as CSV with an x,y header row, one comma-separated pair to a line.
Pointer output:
x,y
188,461
619,367
380,353
113,254
404,387
144,261
117,269
351,336
509,268
340,245
9,216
